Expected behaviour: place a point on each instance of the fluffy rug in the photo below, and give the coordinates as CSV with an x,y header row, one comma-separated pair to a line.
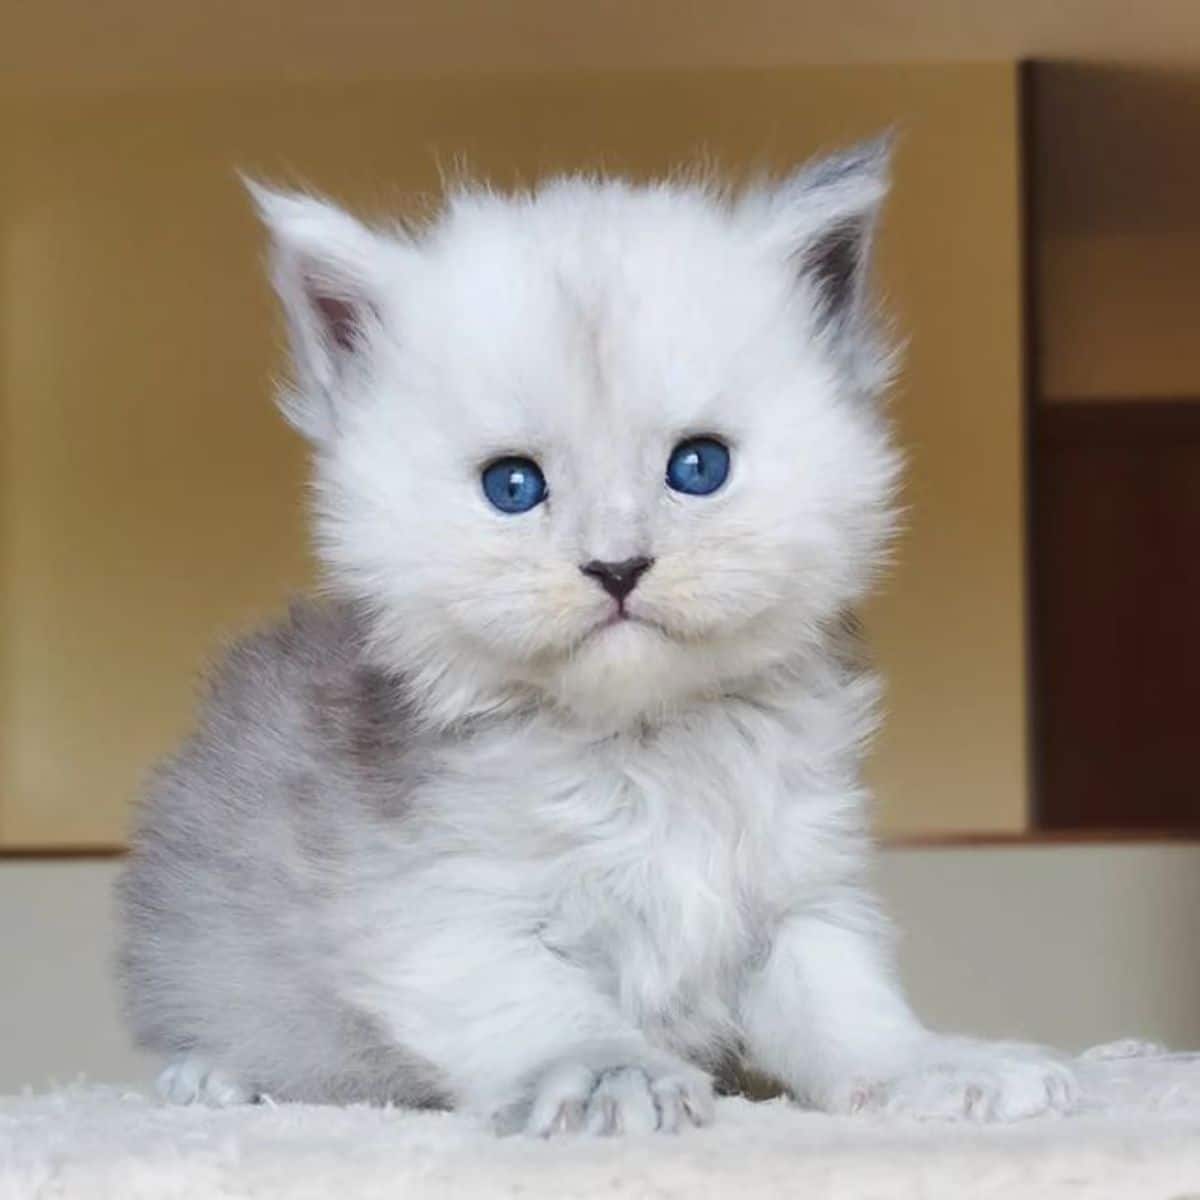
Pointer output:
x,y
1137,1134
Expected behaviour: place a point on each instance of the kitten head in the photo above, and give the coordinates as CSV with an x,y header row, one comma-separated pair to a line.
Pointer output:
x,y
606,446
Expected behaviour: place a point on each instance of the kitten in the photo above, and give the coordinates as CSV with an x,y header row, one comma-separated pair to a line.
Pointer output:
x,y
554,810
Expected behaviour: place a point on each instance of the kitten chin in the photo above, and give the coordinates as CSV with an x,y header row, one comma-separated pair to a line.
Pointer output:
x,y
628,673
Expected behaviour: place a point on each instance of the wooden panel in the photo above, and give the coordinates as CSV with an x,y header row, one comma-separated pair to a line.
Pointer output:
x,y
1117,587
1119,315
1118,229
150,500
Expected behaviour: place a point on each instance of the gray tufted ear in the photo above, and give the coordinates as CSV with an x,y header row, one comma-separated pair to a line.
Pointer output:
x,y
328,270
824,218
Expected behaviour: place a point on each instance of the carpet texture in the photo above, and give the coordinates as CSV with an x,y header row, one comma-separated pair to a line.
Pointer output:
x,y
1137,1134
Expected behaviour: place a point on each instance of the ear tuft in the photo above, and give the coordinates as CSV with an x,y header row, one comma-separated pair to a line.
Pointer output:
x,y
825,215
832,262
341,319
328,271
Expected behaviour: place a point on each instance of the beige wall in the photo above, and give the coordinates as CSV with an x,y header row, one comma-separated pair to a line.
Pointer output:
x,y
126,43
1069,945
150,500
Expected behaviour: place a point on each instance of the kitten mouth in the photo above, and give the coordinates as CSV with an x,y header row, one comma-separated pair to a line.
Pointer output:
x,y
622,616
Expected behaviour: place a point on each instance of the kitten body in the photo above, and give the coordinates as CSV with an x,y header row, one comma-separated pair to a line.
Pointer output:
x,y
480,834
333,917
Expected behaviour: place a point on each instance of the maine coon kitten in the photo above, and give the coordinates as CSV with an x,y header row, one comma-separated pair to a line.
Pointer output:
x,y
556,808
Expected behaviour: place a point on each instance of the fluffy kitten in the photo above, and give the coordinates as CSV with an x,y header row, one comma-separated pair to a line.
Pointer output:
x,y
556,809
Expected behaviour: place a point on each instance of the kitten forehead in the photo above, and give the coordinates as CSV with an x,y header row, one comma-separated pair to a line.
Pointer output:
x,y
622,303
549,292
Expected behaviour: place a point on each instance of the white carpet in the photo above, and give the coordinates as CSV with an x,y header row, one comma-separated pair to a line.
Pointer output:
x,y
1137,1134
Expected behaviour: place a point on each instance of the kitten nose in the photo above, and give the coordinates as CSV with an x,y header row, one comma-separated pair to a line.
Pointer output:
x,y
618,579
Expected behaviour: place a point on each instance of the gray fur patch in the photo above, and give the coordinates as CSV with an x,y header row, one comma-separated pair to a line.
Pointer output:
x,y
241,840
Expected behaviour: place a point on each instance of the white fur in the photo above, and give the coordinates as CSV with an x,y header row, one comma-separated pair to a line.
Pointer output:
x,y
634,849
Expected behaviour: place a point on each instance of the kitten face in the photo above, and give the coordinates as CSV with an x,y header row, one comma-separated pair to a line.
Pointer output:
x,y
591,329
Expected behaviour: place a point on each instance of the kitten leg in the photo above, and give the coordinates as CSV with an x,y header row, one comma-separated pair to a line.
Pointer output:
x,y
523,1037
826,1017
193,1081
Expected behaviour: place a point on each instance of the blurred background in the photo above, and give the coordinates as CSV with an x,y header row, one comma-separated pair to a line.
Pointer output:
x,y
1038,795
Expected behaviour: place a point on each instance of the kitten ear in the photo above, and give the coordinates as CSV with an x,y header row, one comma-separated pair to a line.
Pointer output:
x,y
328,271
826,214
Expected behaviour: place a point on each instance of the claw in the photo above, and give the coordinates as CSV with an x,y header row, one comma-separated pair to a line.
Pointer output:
x,y
568,1119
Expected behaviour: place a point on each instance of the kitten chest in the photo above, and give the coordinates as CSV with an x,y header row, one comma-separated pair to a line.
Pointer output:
x,y
661,893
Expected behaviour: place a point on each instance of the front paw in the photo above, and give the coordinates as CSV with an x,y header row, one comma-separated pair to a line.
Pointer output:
x,y
195,1081
984,1083
632,1097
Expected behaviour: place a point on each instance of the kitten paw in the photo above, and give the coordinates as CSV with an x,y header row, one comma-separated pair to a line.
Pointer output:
x,y
981,1087
193,1081
575,1097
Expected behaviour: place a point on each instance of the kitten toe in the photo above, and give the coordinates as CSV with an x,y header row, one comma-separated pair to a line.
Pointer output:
x,y
678,1108
1125,1048
622,1103
193,1081
179,1082
1002,1090
605,1101
694,1095
559,1101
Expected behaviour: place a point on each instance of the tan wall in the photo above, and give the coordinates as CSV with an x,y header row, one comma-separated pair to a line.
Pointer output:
x,y
150,500
126,43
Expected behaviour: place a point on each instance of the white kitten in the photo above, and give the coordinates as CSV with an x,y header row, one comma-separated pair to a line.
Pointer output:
x,y
557,809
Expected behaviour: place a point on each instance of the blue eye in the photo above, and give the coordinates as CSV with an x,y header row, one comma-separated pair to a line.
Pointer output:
x,y
698,466
514,485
